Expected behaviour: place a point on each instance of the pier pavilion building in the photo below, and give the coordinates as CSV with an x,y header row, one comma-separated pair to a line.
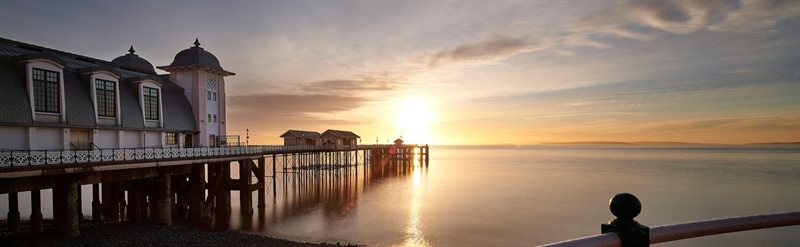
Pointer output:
x,y
301,137
51,99
312,138
339,137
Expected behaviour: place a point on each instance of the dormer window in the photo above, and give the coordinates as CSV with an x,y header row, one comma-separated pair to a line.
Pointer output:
x,y
46,90
150,97
106,98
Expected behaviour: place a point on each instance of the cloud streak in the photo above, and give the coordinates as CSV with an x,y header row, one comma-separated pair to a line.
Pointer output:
x,y
645,20
493,48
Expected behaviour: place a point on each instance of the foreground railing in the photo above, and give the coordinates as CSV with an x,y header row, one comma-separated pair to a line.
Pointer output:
x,y
674,232
55,157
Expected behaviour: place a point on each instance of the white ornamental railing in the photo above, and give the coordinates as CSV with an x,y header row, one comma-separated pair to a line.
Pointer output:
x,y
11,158
627,232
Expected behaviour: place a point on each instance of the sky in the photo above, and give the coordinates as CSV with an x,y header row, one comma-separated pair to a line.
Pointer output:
x,y
466,72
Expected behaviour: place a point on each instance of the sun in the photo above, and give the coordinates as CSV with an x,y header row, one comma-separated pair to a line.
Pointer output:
x,y
413,120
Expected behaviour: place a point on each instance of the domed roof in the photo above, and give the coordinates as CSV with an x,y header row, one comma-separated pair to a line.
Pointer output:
x,y
134,62
196,56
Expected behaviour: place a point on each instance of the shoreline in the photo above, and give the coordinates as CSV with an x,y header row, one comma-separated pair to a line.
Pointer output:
x,y
131,234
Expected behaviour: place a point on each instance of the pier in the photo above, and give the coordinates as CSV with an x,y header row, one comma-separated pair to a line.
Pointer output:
x,y
160,185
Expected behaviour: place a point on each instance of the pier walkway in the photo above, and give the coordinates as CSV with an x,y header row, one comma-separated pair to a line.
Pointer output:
x,y
159,184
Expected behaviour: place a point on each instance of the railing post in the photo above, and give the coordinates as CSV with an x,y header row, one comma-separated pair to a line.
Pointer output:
x,y
625,207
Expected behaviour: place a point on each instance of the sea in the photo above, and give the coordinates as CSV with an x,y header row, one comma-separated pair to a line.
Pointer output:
x,y
519,195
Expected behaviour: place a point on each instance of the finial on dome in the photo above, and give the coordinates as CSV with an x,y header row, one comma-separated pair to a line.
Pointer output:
x,y
196,42
131,50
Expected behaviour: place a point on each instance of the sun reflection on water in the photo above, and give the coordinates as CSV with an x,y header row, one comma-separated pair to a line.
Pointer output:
x,y
415,236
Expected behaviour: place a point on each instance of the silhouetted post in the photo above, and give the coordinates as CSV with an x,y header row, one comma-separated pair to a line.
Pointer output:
x,y
96,202
135,202
262,174
196,192
80,203
110,203
427,155
13,211
65,211
161,206
625,207
245,179
223,197
37,222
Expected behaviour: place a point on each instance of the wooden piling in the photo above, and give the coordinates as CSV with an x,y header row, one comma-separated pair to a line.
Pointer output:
x,y
262,185
134,202
37,222
245,179
161,206
110,203
13,211
65,211
196,192
96,209
223,194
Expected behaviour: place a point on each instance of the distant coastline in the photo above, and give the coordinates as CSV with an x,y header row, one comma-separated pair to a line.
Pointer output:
x,y
663,143
654,143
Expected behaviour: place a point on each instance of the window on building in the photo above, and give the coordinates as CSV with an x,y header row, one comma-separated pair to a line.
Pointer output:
x,y
106,98
150,103
209,118
215,118
214,96
209,95
46,91
171,138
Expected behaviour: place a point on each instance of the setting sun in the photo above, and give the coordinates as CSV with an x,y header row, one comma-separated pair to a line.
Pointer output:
x,y
413,120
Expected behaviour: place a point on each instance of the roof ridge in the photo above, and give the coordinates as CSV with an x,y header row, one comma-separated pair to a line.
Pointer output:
x,y
57,52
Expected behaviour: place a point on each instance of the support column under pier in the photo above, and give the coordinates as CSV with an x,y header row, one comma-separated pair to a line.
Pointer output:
x,y
245,179
13,211
223,195
96,209
161,205
80,202
65,208
110,203
37,222
262,176
134,210
196,192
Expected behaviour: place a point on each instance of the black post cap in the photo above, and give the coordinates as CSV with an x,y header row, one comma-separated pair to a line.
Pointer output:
x,y
625,206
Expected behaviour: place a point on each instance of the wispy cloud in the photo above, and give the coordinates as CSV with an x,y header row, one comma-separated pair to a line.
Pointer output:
x,y
496,47
645,20
384,81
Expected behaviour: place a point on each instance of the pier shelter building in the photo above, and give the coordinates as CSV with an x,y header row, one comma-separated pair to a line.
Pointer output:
x,y
301,137
51,99
339,138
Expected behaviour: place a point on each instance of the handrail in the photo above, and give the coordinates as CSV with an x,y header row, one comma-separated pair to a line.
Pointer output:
x,y
695,229
14,158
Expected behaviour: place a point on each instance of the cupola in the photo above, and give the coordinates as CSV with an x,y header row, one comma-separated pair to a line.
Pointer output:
x,y
131,61
196,57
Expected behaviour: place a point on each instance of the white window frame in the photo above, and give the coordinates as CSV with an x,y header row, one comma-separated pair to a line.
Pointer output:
x,y
151,84
45,64
108,76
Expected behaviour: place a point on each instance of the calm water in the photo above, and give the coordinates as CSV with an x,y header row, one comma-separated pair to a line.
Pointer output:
x,y
523,196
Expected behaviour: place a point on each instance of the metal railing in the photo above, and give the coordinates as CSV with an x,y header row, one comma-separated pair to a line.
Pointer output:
x,y
13,158
674,232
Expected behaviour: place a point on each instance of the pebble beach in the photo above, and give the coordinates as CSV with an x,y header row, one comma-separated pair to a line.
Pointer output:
x,y
127,234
